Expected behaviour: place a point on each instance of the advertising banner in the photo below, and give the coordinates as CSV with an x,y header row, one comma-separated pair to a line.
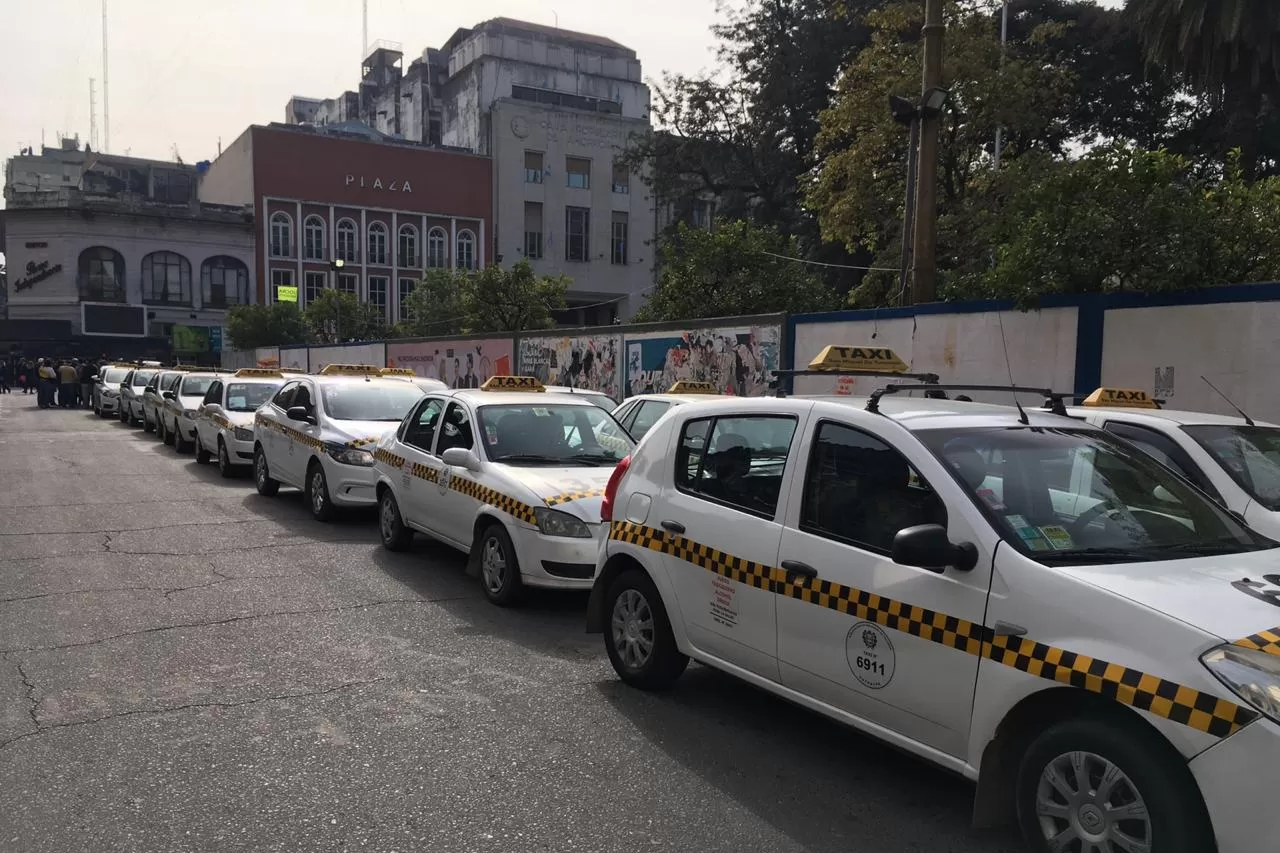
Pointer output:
x,y
739,360
267,357
586,361
459,364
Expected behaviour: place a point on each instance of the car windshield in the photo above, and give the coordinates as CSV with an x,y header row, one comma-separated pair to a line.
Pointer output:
x,y
370,401
552,434
1066,496
1249,454
195,386
142,377
248,396
114,375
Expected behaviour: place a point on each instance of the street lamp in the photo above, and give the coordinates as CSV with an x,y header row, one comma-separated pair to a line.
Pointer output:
x,y
336,266
908,113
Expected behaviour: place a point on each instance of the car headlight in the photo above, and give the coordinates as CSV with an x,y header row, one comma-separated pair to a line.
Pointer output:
x,y
107,392
1252,675
190,414
553,522
242,434
351,456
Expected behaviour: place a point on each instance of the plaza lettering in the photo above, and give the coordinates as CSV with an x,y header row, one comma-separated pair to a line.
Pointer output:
x,y
377,183
36,273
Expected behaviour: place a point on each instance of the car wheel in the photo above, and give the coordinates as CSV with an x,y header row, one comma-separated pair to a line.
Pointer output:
x,y
180,444
224,459
202,456
638,635
123,415
499,566
262,475
395,535
133,419
147,426
1090,784
169,437
317,493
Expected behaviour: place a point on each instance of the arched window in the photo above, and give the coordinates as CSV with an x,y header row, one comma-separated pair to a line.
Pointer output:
x,y
466,250
346,249
166,279
436,241
224,281
377,243
101,277
313,239
408,246
281,235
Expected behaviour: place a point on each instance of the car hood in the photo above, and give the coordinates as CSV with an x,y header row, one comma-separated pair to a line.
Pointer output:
x,y
1234,596
576,490
240,419
359,434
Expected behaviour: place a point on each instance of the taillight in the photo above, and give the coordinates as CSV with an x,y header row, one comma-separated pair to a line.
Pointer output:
x,y
611,489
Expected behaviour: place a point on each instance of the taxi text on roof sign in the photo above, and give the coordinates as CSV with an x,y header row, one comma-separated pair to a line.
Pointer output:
x,y
397,371
685,386
1120,397
879,359
512,383
263,372
350,370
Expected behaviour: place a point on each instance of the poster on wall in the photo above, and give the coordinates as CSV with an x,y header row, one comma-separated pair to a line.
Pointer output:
x,y
586,361
738,360
267,357
458,364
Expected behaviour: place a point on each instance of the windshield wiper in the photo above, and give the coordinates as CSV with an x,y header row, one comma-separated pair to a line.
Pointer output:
x,y
597,457
1089,556
1209,548
542,459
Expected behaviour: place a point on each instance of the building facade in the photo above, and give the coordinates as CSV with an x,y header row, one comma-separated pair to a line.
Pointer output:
x,y
128,252
387,209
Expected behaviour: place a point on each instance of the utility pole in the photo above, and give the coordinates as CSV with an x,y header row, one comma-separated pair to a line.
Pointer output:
x,y
925,284
1004,41
106,85
93,115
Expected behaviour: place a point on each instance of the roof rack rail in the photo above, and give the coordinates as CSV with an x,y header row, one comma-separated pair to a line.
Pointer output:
x,y
1053,400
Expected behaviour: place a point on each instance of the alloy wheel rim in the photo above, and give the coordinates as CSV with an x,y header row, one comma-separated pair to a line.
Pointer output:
x,y
388,517
493,565
633,629
260,469
317,491
224,462
1085,803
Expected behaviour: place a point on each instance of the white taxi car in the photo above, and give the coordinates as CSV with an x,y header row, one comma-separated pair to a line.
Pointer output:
x,y
131,389
318,434
1235,459
1018,597
507,473
224,421
106,388
638,414
181,408
153,398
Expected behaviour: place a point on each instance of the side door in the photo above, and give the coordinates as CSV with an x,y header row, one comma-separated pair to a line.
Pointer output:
x,y
1169,453
720,521
150,394
453,511
895,645
296,454
171,408
206,429
268,433
416,485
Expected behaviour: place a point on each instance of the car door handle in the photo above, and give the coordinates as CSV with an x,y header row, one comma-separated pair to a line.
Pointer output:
x,y
673,526
795,567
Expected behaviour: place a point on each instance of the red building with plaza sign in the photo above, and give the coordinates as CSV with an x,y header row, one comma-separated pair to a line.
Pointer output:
x,y
388,209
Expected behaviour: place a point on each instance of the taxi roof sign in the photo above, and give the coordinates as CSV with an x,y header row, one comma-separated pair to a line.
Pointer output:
x,y
685,386
512,383
397,371
874,359
350,370
259,372
1128,398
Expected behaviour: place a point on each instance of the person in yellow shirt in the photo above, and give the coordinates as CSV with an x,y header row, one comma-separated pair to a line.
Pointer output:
x,y
68,381
48,381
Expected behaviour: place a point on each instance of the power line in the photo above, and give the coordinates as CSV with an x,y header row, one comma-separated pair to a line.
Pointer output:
x,y
825,264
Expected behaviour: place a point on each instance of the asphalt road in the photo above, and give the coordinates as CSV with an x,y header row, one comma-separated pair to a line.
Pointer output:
x,y
187,666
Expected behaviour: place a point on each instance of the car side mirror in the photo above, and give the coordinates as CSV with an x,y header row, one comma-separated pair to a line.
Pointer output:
x,y
297,413
461,457
169,395
926,546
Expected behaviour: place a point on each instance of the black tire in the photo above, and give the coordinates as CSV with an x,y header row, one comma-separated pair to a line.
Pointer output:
x,y
391,527
123,415
147,426
317,493
134,421
502,586
202,456
262,474
1176,821
665,662
168,436
224,460
180,444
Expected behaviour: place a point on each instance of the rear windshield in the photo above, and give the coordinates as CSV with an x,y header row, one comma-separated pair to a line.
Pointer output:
x,y
195,386
248,396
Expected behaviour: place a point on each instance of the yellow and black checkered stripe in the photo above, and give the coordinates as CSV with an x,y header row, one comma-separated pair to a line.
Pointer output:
x,y
221,422
484,494
289,432
1263,641
1162,697
566,497
358,443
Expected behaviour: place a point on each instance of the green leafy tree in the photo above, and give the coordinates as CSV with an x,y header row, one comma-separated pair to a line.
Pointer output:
x,y
497,299
436,305
335,316
737,268
277,324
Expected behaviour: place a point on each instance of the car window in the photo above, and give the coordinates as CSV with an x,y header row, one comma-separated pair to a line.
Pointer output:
x,y
859,490
647,414
143,377
172,382
736,461
113,375
1249,454
302,397
284,397
623,414
455,430
153,383
248,396
1165,450
420,431
214,394
195,386
552,434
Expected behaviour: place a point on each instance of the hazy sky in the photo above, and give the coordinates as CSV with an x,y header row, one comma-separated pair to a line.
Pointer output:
x,y
185,72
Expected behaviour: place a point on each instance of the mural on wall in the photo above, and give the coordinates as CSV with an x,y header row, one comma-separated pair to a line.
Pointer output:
x,y
267,357
739,360
459,364
587,361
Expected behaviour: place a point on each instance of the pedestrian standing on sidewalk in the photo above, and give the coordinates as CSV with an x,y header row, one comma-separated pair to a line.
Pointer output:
x,y
28,376
47,382
69,379
88,371
6,375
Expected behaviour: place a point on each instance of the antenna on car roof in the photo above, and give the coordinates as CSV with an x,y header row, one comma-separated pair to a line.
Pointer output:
x,y
1247,419
1022,413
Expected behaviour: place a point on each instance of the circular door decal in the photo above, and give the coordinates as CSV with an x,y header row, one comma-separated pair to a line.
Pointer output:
x,y
871,655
